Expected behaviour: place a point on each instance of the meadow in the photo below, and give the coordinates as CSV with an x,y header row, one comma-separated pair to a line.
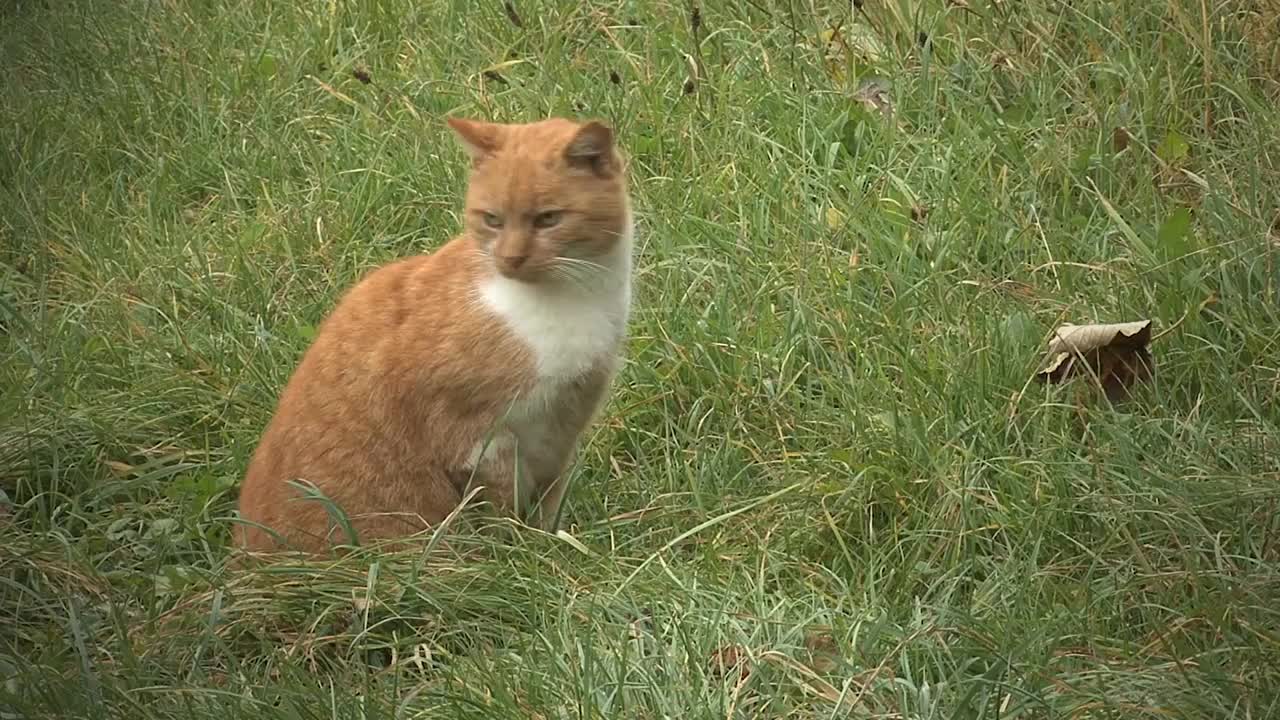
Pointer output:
x,y
828,483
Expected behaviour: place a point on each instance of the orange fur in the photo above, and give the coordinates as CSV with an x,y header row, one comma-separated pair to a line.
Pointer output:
x,y
482,362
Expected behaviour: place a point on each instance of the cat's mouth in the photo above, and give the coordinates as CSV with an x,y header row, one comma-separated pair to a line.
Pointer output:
x,y
520,270
559,270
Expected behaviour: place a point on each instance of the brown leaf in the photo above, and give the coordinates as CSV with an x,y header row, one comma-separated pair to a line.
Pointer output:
x,y
1115,354
121,469
641,625
823,652
730,661
873,93
512,15
1120,138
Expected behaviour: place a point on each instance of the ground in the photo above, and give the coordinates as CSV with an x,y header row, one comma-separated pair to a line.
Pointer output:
x,y
828,484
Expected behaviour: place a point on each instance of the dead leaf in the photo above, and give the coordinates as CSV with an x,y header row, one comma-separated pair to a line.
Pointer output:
x,y
804,676
121,469
1120,138
731,661
824,653
1080,338
512,15
860,40
1115,354
641,625
873,93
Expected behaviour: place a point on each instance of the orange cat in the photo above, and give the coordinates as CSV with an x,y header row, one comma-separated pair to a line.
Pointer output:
x,y
479,364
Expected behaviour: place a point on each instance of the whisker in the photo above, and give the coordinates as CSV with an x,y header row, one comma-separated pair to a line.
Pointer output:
x,y
565,273
585,269
579,261
569,268
584,275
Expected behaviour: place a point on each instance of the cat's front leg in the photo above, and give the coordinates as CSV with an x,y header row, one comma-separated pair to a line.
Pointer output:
x,y
496,466
580,403
546,513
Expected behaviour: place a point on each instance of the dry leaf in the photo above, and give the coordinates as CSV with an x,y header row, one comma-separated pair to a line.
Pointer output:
x,y
824,653
804,676
1115,354
864,40
1120,138
873,93
731,661
512,15
121,469
641,625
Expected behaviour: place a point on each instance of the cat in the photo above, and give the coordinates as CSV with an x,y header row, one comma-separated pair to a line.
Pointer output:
x,y
477,365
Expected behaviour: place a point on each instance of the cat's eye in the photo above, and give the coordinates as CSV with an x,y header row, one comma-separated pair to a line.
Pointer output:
x,y
547,219
492,220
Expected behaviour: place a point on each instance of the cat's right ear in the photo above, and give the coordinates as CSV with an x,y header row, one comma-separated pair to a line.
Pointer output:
x,y
479,139
592,148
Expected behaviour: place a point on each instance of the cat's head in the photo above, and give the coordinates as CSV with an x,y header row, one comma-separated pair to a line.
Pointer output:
x,y
545,200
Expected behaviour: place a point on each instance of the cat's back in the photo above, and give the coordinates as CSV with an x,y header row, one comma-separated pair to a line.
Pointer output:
x,y
412,317
393,358
401,296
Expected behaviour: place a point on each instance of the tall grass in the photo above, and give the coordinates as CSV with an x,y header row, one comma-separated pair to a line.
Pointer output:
x,y
826,485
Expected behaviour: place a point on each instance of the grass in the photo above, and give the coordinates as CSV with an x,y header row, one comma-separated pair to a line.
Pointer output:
x,y
826,485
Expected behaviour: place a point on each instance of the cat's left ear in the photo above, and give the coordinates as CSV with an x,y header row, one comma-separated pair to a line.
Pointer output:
x,y
479,139
592,148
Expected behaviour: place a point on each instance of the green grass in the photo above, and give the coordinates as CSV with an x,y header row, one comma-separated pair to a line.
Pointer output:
x,y
825,435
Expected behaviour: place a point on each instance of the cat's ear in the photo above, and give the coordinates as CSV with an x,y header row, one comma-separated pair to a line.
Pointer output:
x,y
592,149
479,139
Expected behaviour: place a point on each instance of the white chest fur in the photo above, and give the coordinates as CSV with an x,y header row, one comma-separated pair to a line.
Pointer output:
x,y
568,326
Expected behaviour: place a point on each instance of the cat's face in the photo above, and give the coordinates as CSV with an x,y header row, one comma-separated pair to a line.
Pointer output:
x,y
546,200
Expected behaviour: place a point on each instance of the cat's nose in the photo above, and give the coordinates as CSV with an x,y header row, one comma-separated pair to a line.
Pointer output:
x,y
512,262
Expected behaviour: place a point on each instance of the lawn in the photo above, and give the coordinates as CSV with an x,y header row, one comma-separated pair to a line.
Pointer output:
x,y
828,483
